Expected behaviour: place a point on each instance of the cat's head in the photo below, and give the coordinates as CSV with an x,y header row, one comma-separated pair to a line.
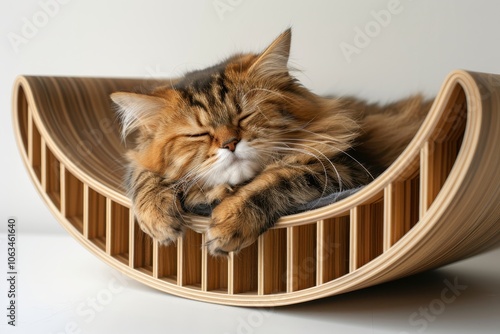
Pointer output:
x,y
219,125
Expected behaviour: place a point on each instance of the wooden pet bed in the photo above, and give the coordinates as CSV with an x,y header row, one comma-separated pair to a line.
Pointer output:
x,y
438,203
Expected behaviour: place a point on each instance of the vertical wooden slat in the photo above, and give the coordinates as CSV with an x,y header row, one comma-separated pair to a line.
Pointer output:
x,y
86,209
426,179
204,264
109,230
230,274
290,266
180,260
36,152
53,183
62,189
389,212
23,117
260,266
30,136
35,146
320,254
44,168
131,238
156,264
353,243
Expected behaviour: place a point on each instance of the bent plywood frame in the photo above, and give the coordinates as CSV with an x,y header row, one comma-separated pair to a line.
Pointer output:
x,y
438,203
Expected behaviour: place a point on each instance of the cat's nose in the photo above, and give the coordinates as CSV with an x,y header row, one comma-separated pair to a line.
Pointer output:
x,y
230,144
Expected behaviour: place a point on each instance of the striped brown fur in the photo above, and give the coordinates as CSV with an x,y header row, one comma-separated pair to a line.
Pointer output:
x,y
247,138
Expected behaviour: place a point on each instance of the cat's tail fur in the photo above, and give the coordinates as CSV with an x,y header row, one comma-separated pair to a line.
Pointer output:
x,y
387,130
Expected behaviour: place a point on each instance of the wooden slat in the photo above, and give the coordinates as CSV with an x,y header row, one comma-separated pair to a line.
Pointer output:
x,y
86,209
180,261
30,136
353,242
131,240
156,259
389,216
36,155
431,182
290,264
44,177
320,251
230,274
204,264
109,230
54,174
62,189
260,266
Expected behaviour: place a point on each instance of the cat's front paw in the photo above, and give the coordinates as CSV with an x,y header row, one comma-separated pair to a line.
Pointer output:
x,y
162,223
166,231
233,226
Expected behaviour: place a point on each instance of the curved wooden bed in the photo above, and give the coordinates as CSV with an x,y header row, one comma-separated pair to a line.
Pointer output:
x,y
438,203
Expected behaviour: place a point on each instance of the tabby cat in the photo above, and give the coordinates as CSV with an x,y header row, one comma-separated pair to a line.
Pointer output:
x,y
245,137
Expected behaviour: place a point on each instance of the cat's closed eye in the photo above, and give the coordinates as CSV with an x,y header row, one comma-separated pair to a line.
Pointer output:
x,y
244,118
201,134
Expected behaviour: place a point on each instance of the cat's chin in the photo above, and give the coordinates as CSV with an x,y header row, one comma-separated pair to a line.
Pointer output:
x,y
234,167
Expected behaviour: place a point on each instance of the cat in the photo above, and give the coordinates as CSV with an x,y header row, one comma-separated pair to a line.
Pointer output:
x,y
245,137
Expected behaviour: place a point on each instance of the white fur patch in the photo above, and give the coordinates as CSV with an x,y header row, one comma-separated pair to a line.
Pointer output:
x,y
234,167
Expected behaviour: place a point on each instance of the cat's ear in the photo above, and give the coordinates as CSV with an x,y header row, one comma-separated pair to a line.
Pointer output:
x,y
138,111
274,59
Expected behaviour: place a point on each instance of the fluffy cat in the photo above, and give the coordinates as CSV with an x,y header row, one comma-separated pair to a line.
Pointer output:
x,y
247,138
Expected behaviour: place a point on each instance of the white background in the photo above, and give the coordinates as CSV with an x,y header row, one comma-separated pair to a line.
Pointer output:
x,y
410,51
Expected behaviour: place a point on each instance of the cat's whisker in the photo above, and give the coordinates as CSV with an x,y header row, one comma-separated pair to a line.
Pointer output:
x,y
325,141
343,140
329,161
290,165
319,159
199,174
335,148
